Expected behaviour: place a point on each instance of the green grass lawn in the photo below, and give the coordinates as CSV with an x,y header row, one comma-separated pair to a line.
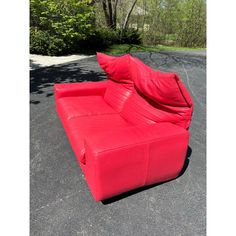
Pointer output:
x,y
129,48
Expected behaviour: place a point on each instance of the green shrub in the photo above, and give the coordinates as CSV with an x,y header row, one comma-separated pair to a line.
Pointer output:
x,y
105,37
129,36
57,26
153,38
39,42
192,26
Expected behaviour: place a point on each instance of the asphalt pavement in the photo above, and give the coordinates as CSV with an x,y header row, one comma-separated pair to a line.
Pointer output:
x,y
61,203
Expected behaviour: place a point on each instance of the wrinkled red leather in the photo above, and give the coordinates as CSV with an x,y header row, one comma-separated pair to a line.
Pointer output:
x,y
128,131
163,90
80,89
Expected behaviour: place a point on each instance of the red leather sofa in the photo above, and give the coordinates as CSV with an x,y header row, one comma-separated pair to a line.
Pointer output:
x,y
128,131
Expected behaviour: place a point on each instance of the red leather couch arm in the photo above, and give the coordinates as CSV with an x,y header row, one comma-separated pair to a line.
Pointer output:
x,y
80,89
128,158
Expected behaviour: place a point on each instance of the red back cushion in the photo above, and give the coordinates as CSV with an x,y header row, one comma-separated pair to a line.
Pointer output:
x,y
163,88
162,91
116,94
140,110
120,85
117,68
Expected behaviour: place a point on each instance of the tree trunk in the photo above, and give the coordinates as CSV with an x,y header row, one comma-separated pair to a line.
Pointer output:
x,y
110,12
104,6
128,15
114,14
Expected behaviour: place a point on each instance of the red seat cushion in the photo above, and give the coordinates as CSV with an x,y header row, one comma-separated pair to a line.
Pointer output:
x,y
72,107
80,127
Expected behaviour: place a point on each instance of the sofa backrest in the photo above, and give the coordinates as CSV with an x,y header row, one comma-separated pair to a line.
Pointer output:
x,y
143,95
120,86
117,94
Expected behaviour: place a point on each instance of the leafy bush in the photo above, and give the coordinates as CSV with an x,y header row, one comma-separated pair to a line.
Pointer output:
x,y
129,36
57,26
39,42
153,38
178,22
192,26
101,38
105,37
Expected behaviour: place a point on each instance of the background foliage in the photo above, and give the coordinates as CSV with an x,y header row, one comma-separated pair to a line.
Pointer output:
x,y
59,27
